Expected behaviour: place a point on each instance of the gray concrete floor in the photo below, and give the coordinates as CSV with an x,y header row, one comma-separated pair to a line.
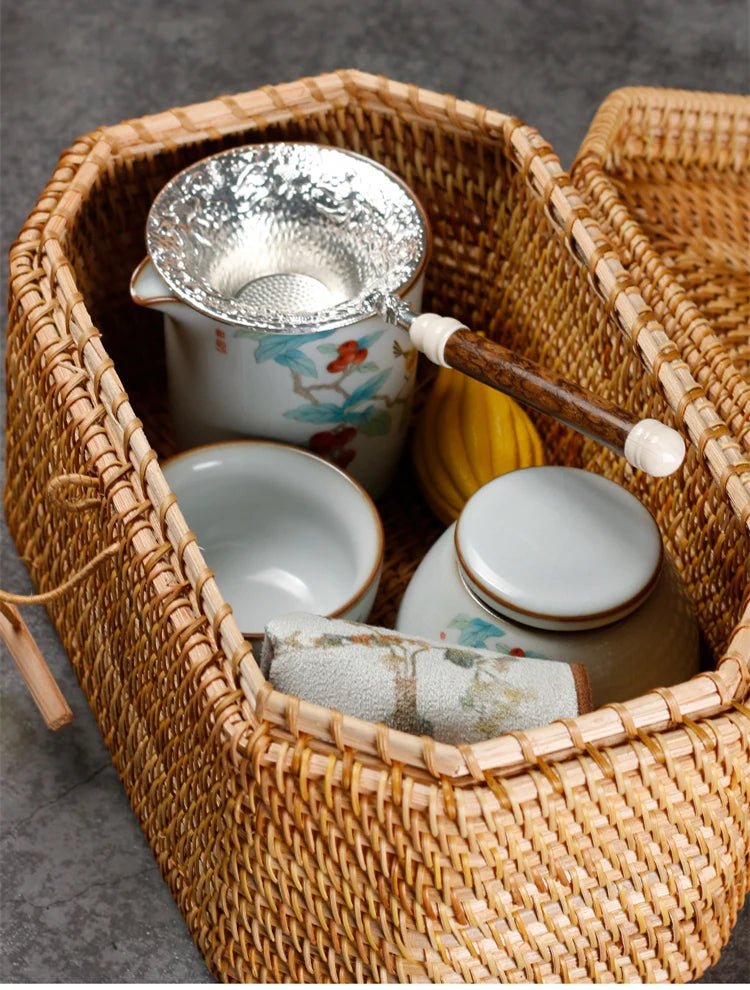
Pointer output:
x,y
81,897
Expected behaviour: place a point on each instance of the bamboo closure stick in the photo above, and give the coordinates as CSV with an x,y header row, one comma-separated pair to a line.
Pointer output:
x,y
33,667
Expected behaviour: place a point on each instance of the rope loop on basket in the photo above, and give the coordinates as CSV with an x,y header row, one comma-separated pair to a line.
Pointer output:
x,y
56,486
47,597
14,631
54,491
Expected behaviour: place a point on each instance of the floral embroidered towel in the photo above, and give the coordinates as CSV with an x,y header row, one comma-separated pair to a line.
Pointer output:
x,y
455,694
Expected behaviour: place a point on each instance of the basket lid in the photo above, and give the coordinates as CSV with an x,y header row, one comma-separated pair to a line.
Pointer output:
x,y
558,548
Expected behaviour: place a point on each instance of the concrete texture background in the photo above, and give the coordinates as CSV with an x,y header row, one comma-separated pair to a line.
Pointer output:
x,y
81,897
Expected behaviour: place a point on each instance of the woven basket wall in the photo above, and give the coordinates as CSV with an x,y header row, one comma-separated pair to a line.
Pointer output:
x,y
665,171
299,843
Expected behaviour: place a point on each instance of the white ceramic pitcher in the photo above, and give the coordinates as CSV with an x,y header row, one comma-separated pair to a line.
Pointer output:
x,y
345,394
251,254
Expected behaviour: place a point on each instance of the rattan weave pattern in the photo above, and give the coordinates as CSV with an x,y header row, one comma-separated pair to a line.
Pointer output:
x,y
666,174
301,844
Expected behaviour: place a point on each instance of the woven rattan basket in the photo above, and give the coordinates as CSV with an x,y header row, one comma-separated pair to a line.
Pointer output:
x,y
299,843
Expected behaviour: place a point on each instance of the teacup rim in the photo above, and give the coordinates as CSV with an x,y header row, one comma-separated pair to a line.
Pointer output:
x,y
366,498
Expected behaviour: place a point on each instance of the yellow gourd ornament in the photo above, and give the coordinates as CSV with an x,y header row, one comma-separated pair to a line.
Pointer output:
x,y
466,435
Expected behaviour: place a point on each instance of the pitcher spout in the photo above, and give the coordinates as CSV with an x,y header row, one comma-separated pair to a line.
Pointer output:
x,y
148,288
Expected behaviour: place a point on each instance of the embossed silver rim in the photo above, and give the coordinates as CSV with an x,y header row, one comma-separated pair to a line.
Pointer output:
x,y
287,237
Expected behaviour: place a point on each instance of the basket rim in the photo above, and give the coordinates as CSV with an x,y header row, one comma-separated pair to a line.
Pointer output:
x,y
709,108
331,734
720,123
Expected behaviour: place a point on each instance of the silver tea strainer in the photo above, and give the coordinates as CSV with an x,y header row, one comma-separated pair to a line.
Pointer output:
x,y
294,238
288,238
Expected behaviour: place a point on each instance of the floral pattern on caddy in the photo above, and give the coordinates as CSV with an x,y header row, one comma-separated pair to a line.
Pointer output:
x,y
477,633
352,402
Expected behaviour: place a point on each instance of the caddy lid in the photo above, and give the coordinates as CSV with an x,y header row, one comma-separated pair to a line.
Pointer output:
x,y
558,548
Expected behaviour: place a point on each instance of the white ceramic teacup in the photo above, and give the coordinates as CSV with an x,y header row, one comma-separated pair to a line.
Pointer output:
x,y
282,529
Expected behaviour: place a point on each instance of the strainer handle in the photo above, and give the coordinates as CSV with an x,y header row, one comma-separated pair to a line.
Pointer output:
x,y
647,444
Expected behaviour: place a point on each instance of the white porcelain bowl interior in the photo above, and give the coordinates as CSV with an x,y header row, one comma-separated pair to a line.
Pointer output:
x,y
282,529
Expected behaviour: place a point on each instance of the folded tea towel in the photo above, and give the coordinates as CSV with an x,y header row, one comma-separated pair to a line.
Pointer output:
x,y
455,694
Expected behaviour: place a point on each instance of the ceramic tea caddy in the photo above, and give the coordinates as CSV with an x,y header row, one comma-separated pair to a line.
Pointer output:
x,y
258,258
561,564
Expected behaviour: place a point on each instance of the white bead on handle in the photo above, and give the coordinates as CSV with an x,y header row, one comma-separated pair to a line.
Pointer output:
x,y
648,445
654,447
